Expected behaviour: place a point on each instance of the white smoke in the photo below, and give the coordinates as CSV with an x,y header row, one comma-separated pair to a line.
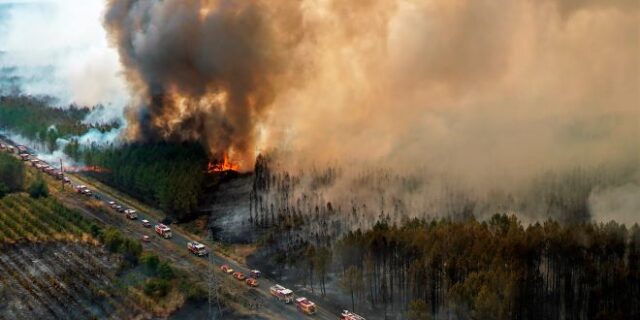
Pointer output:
x,y
621,204
59,48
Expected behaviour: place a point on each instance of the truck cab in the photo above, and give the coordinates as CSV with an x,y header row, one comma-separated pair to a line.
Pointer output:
x,y
197,248
163,230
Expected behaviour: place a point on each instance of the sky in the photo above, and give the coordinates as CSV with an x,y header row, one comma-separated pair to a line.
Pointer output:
x,y
60,48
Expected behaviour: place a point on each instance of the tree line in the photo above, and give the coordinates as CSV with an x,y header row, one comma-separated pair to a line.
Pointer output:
x,y
169,176
456,267
14,179
35,119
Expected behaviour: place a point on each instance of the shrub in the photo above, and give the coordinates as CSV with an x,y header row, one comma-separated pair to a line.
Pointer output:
x,y
165,271
38,188
4,190
157,288
150,261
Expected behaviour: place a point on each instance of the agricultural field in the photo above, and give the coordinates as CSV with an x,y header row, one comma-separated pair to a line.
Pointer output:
x,y
51,266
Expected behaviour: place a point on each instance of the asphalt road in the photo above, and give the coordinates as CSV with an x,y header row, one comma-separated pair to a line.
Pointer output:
x,y
273,307
288,311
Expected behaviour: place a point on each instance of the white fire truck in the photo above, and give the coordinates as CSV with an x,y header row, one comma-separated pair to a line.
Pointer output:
x,y
130,214
82,189
305,306
348,315
163,230
197,248
281,293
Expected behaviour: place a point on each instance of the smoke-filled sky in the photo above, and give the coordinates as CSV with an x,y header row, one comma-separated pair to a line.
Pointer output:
x,y
479,86
492,93
59,48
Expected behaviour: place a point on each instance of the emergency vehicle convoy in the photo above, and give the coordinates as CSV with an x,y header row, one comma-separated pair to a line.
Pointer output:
x,y
163,231
197,248
305,306
281,293
348,315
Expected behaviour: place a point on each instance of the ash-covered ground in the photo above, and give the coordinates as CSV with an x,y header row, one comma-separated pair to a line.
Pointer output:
x,y
228,205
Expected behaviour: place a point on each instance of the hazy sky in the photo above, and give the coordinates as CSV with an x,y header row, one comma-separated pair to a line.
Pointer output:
x,y
60,48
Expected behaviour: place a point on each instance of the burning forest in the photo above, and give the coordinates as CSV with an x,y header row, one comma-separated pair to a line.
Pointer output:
x,y
400,159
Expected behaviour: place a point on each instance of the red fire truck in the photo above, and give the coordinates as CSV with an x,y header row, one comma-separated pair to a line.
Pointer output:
x,y
348,315
281,293
197,248
163,230
305,306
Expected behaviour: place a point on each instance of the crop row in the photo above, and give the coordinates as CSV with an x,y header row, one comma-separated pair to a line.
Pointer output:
x,y
24,218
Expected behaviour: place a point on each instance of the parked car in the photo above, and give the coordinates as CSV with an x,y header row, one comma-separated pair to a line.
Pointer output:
x,y
146,238
146,223
239,275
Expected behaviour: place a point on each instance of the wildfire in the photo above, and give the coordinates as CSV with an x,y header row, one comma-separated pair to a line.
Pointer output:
x,y
222,166
95,169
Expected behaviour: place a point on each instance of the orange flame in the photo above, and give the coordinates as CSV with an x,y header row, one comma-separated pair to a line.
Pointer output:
x,y
222,166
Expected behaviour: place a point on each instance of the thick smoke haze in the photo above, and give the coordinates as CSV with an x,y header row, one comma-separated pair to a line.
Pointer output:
x,y
59,48
517,86
489,96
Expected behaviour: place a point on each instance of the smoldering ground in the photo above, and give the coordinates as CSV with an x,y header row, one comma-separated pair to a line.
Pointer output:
x,y
489,95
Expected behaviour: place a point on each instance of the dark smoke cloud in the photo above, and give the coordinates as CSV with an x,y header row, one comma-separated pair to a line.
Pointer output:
x,y
204,70
487,95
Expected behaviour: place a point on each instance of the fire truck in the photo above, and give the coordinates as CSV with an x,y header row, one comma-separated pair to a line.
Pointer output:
x,y
281,293
305,306
82,189
163,230
197,248
348,315
130,214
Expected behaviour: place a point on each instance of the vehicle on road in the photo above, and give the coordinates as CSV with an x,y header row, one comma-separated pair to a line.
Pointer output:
x,y
252,282
226,269
348,315
197,248
111,204
66,180
146,238
146,223
281,293
305,306
130,214
239,276
82,189
255,274
163,231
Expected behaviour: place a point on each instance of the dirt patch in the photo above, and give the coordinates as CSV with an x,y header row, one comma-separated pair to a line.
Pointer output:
x,y
60,280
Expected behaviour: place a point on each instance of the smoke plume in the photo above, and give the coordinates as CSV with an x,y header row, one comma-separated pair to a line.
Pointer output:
x,y
491,93
58,48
